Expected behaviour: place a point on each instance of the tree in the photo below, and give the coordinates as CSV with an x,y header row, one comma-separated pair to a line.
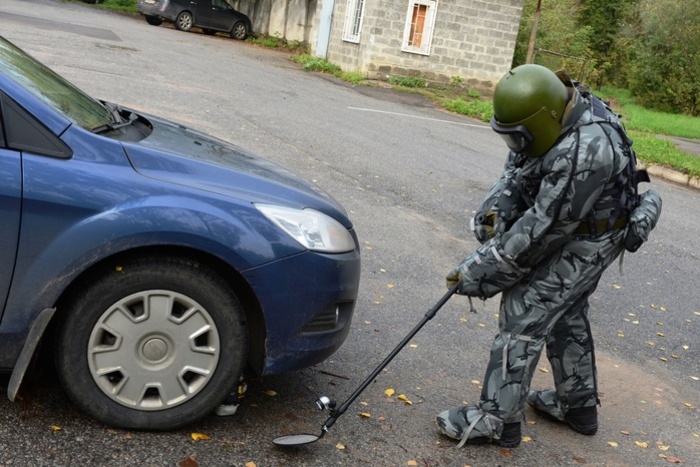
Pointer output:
x,y
606,19
666,75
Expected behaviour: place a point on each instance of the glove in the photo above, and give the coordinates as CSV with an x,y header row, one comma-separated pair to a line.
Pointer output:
x,y
485,273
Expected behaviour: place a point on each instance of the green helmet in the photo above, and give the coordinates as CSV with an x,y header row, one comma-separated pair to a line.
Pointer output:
x,y
528,104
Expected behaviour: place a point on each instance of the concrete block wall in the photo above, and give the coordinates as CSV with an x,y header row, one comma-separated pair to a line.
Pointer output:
x,y
472,39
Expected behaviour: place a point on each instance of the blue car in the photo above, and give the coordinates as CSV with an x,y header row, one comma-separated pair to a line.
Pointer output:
x,y
153,263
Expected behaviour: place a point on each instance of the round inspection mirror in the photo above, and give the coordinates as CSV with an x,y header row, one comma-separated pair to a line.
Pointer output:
x,y
295,440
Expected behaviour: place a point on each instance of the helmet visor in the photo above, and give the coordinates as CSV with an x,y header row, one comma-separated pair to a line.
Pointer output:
x,y
517,137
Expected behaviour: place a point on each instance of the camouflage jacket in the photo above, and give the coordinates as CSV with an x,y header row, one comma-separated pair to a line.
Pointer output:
x,y
540,202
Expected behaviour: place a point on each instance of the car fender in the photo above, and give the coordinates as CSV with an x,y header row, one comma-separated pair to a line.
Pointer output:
x,y
40,278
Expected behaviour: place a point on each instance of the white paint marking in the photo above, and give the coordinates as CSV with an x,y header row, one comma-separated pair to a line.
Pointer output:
x,y
416,116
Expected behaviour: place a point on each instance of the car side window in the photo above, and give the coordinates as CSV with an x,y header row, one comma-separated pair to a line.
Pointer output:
x,y
220,4
22,132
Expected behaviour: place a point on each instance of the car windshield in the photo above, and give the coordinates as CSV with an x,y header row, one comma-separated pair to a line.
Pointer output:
x,y
55,91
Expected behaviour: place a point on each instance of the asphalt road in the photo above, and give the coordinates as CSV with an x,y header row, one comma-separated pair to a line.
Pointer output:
x,y
409,174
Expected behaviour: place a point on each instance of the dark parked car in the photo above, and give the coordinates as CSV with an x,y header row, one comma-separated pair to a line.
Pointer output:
x,y
210,15
152,262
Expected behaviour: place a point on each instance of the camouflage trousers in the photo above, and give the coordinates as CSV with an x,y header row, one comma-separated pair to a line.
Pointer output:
x,y
549,307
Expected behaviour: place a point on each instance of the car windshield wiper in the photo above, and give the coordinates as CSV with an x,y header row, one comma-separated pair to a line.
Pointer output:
x,y
116,124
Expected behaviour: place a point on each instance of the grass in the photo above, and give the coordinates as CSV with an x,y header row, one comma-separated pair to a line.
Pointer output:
x,y
128,6
639,118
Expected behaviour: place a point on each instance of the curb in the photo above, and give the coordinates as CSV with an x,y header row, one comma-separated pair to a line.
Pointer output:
x,y
671,175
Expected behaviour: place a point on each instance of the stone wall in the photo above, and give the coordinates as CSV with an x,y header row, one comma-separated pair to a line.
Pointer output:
x,y
472,43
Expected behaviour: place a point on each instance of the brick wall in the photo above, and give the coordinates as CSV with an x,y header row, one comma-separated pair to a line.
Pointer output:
x,y
472,39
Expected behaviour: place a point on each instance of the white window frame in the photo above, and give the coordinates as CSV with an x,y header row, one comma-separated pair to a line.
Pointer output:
x,y
426,39
354,14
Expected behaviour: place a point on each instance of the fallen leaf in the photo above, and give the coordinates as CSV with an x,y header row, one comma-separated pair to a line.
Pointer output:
x,y
390,286
663,359
661,334
365,415
689,405
402,397
544,370
389,392
526,439
612,443
55,428
200,437
413,346
663,447
475,381
411,463
339,446
624,432
189,462
675,356
270,393
641,444
686,347
695,378
615,286
250,464
674,460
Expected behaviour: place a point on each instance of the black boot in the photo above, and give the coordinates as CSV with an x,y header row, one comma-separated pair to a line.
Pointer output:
x,y
583,420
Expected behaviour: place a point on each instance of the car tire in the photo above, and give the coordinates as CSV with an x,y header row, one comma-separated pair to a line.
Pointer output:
x,y
154,21
239,31
151,344
184,21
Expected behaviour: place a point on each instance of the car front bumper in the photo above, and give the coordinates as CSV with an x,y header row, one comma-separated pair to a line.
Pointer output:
x,y
307,301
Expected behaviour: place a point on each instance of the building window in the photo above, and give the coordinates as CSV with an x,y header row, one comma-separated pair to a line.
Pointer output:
x,y
353,20
418,33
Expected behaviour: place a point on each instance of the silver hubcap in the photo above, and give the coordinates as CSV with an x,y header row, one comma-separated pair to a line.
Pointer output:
x,y
185,22
153,350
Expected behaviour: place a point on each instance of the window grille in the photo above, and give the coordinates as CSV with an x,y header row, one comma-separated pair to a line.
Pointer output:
x,y
418,32
353,20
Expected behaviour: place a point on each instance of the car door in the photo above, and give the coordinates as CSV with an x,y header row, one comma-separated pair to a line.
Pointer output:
x,y
10,208
218,14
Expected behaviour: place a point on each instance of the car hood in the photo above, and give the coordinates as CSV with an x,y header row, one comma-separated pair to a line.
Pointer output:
x,y
177,154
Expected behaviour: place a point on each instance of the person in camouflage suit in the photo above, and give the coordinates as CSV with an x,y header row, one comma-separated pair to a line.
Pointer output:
x,y
549,228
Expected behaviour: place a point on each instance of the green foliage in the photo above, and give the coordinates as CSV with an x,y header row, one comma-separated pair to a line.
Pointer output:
x,y
352,77
120,5
648,46
456,81
406,81
666,75
481,109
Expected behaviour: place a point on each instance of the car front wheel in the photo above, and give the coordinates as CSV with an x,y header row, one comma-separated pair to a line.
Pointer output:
x,y
239,31
184,21
151,344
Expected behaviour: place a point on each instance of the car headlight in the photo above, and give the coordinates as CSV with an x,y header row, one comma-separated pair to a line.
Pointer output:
x,y
313,229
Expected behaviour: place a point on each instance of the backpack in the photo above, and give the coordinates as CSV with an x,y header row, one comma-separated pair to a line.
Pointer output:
x,y
643,211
